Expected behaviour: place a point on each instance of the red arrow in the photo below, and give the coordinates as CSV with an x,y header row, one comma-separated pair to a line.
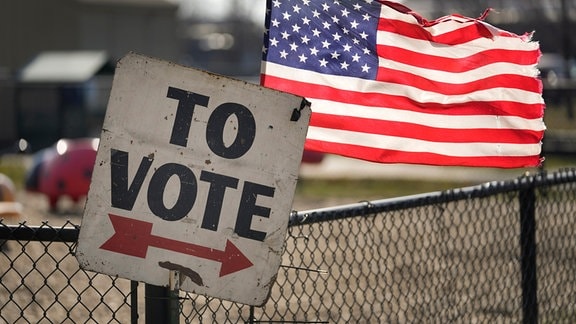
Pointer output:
x,y
133,237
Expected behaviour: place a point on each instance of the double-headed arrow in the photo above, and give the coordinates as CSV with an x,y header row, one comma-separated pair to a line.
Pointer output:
x,y
133,237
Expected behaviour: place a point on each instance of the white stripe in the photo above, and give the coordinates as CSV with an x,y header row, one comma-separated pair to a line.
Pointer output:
x,y
371,86
431,120
444,24
461,78
453,51
415,145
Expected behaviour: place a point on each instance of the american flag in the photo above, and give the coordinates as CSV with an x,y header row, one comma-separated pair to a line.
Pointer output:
x,y
389,86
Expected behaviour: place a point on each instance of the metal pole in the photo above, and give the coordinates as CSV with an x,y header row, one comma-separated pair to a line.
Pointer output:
x,y
251,319
134,302
528,255
174,297
157,304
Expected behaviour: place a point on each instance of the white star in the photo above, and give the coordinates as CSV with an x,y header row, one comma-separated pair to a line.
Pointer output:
x,y
286,15
305,21
316,32
264,49
363,35
325,7
314,51
296,28
276,3
296,8
336,36
275,22
305,39
293,47
357,7
354,24
345,12
365,68
355,57
326,44
306,2
345,30
368,1
335,19
347,47
366,51
285,35
273,42
366,17
326,25
315,13
302,58
283,54
323,62
344,66
335,55
355,41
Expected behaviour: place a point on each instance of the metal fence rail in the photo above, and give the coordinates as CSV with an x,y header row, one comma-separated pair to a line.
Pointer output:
x,y
498,252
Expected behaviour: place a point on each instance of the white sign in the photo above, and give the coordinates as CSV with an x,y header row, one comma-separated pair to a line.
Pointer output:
x,y
195,173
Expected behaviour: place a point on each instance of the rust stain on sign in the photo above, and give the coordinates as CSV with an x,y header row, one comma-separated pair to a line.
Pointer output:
x,y
184,272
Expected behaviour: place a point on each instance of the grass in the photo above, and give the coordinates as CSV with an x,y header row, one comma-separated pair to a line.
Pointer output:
x,y
556,118
369,189
13,167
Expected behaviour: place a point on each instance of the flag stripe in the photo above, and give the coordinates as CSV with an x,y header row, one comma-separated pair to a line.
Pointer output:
x,y
448,24
459,78
450,89
464,50
527,104
401,156
451,64
457,122
460,34
472,149
419,131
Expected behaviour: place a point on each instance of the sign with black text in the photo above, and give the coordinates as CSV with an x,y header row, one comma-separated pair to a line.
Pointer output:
x,y
195,173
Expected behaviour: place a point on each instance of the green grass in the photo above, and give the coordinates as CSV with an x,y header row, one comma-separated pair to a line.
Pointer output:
x,y
370,189
15,170
556,118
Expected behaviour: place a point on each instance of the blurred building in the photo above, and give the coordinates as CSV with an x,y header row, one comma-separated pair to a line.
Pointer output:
x,y
32,28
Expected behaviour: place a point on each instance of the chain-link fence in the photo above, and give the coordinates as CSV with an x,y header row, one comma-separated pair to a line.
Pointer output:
x,y
498,252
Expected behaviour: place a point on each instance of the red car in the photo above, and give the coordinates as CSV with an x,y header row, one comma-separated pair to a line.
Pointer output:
x,y
64,169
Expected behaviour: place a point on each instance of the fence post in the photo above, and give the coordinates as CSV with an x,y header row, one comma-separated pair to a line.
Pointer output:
x,y
134,302
528,255
157,303
174,296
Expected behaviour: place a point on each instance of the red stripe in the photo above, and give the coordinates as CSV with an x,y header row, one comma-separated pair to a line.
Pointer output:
x,y
496,108
426,133
457,65
393,156
496,81
466,34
